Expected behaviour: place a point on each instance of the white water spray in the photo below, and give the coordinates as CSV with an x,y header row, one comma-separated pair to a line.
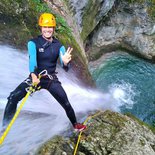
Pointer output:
x,y
123,94
42,117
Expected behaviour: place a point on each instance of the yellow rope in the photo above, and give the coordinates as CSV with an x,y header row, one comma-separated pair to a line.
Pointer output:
x,y
31,90
78,141
14,118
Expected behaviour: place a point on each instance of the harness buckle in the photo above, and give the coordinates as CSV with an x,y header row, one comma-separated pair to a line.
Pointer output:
x,y
44,73
50,77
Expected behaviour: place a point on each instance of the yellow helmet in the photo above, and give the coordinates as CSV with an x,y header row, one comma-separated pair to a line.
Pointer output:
x,y
47,19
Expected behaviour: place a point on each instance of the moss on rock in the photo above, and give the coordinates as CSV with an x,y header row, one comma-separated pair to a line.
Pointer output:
x,y
89,18
108,133
56,146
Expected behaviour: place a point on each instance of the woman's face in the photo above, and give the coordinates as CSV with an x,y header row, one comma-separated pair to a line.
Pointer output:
x,y
47,32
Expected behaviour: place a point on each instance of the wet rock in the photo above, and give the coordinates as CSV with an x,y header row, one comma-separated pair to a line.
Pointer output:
x,y
107,133
129,27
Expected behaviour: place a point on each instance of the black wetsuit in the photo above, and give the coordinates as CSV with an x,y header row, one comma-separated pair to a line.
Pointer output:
x,y
45,58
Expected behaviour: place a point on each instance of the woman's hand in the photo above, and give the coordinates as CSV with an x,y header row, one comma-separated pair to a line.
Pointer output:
x,y
35,79
66,58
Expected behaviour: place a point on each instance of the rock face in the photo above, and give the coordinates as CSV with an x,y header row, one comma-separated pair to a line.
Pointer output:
x,y
107,133
17,22
127,26
88,13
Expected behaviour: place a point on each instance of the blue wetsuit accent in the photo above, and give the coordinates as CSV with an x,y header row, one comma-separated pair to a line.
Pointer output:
x,y
32,56
44,54
62,51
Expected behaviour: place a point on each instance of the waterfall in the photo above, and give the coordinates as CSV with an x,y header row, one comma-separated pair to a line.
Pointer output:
x,y
42,117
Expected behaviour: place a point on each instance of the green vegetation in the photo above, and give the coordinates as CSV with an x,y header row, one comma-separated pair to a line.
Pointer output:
x,y
40,6
89,17
62,27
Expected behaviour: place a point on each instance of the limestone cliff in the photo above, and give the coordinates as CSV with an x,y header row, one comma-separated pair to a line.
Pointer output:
x,y
107,25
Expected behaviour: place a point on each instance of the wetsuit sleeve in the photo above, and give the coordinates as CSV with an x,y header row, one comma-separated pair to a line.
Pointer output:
x,y
63,51
32,57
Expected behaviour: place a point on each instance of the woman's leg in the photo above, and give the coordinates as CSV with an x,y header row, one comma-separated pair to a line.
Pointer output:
x,y
13,99
59,94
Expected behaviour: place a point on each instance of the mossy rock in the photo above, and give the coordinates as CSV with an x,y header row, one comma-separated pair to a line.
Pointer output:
x,y
107,133
56,146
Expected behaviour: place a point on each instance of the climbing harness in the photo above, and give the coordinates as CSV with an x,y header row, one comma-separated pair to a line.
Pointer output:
x,y
79,136
46,75
30,91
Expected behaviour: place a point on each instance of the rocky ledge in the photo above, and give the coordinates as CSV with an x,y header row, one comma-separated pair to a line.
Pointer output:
x,y
108,133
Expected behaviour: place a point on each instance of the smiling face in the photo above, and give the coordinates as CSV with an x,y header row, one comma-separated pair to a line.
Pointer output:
x,y
47,32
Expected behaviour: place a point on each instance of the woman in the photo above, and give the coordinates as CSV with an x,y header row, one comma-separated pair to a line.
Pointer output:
x,y
44,52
